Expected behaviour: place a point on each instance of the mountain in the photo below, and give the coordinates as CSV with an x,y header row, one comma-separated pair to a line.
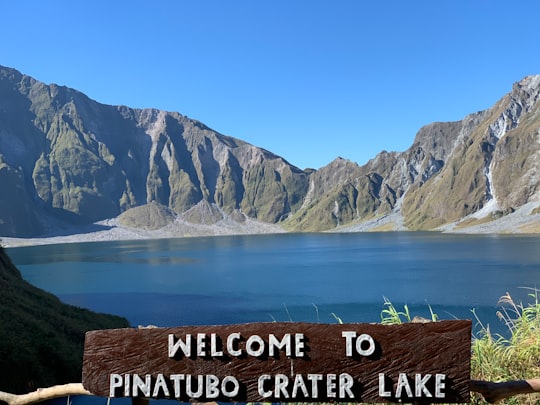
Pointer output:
x,y
41,338
455,175
67,161
65,158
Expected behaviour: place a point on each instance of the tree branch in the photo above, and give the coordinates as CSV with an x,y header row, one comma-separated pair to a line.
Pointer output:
x,y
494,392
44,394
491,391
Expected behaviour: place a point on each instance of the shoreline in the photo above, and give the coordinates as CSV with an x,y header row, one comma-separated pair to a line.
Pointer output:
x,y
523,221
119,233
113,231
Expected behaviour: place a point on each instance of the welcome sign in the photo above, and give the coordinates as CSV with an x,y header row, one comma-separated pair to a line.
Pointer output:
x,y
283,362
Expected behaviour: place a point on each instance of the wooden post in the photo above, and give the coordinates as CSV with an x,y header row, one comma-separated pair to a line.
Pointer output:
x,y
139,401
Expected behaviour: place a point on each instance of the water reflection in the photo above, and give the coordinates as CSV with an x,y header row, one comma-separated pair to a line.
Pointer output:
x,y
253,278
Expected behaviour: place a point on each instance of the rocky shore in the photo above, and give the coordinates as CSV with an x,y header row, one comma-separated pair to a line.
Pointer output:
x,y
524,220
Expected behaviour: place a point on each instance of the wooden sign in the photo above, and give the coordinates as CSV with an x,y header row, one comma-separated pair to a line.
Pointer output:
x,y
283,362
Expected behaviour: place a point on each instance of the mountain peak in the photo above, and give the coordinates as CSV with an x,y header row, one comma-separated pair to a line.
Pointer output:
x,y
530,82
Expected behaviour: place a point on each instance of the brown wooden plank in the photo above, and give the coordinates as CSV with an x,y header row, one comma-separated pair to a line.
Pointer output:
x,y
399,358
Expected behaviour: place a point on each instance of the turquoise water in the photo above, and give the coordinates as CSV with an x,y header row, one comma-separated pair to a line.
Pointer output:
x,y
299,277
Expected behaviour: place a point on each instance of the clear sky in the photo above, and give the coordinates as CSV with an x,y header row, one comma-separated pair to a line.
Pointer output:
x,y
309,80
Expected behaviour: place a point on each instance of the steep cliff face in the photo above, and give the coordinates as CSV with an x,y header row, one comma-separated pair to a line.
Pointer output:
x,y
483,166
359,193
494,162
515,169
67,159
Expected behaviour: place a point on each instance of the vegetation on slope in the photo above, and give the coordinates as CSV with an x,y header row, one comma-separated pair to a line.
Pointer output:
x,y
41,339
498,358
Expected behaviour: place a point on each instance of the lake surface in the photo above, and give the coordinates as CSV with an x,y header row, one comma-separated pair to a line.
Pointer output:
x,y
299,277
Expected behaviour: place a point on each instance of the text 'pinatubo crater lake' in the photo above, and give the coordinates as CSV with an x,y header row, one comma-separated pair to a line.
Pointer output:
x,y
288,277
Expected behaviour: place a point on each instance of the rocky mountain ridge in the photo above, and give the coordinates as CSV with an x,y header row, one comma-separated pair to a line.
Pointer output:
x,y
460,173
67,161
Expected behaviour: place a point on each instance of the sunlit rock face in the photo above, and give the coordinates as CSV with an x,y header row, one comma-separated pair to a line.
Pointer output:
x,y
67,160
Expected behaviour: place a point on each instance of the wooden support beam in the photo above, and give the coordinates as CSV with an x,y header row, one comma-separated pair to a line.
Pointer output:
x,y
44,394
496,391
491,391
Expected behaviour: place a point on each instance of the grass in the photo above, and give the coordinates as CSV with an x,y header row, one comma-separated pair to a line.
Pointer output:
x,y
391,316
517,357
494,357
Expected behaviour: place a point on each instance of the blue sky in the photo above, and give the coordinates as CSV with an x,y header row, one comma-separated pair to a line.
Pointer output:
x,y
307,80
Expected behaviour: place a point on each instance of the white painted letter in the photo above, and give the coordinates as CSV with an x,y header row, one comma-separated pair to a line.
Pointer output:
x,y
213,346
403,382
440,385
420,385
299,383
235,389
299,344
160,384
348,342
331,385
285,342
212,390
127,385
177,378
230,344
260,386
365,338
255,339
189,386
115,381
143,386
281,386
174,346
345,384
314,388
201,344
382,392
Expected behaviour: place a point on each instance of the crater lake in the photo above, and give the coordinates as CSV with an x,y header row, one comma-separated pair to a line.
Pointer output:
x,y
316,277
